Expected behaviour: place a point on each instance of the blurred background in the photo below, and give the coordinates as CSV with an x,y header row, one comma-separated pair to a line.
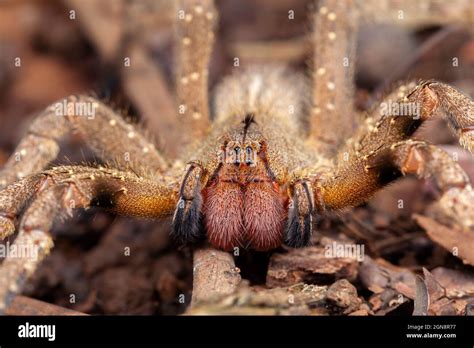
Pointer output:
x,y
50,49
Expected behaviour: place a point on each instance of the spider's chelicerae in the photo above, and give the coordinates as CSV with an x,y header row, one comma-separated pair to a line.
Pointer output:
x,y
281,149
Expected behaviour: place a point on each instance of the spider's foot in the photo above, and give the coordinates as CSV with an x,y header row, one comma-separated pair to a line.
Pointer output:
x,y
187,224
300,216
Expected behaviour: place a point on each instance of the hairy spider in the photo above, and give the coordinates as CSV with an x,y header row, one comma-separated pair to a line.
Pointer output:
x,y
282,149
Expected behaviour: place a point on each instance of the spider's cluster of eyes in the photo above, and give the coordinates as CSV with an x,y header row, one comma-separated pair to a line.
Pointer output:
x,y
238,155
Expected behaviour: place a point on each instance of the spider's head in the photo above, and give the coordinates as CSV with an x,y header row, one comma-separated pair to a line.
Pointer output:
x,y
240,204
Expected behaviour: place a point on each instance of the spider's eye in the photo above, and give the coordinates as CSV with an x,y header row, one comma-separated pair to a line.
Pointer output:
x,y
248,155
237,155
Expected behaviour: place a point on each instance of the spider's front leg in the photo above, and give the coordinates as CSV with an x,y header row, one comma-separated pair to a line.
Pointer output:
x,y
368,165
356,182
63,189
456,203
402,112
107,134
381,153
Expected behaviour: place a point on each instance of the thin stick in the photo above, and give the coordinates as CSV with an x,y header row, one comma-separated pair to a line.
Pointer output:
x,y
23,305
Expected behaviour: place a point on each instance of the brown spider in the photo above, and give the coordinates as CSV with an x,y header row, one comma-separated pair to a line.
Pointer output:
x,y
279,151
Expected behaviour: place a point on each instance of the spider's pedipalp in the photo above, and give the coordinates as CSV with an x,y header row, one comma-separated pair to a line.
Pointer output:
x,y
106,133
300,215
187,216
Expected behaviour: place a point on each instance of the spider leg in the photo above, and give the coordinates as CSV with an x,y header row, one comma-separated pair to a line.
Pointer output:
x,y
370,164
60,190
400,114
111,138
195,24
334,38
359,181
424,160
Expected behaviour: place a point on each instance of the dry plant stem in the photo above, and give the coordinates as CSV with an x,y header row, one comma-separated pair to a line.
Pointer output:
x,y
336,24
195,21
214,274
418,14
121,29
60,190
431,44
107,134
23,305
102,23
145,85
143,78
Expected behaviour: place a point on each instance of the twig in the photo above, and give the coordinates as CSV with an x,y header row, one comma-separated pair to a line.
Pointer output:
x,y
214,275
418,14
102,23
145,85
22,305
429,45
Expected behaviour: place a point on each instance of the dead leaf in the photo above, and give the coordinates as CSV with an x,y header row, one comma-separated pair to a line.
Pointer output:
x,y
457,241
309,265
422,298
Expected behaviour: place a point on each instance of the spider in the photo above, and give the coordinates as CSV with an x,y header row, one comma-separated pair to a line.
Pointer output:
x,y
281,149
